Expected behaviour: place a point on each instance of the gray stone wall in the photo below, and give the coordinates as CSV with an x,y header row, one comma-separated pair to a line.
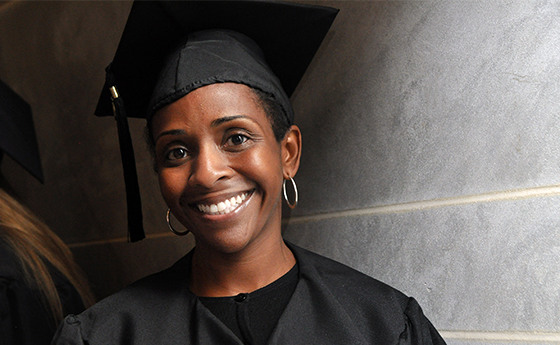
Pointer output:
x,y
431,146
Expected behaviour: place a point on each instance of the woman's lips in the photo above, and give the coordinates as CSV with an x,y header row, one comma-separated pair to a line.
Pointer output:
x,y
223,207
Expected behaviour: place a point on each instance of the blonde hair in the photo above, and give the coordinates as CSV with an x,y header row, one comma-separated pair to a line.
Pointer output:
x,y
36,245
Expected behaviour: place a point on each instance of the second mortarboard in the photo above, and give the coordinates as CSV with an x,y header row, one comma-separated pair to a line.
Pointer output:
x,y
17,133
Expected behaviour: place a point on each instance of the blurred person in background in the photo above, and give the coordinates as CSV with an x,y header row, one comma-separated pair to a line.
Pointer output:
x,y
39,281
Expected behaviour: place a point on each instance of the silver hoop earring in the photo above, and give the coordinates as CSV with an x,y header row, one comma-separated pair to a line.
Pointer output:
x,y
292,206
178,233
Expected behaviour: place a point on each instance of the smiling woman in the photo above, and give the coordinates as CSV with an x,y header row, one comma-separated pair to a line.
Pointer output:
x,y
220,124
217,144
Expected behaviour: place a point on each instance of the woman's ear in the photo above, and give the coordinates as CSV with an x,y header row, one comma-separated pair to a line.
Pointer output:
x,y
291,152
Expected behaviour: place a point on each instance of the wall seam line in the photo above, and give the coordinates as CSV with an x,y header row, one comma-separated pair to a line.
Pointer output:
x,y
117,240
529,193
501,336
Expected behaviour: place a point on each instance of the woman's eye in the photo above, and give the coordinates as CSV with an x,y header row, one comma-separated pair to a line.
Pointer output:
x,y
176,154
237,139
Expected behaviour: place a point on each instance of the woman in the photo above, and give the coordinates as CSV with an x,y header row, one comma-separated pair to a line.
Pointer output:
x,y
221,130
39,281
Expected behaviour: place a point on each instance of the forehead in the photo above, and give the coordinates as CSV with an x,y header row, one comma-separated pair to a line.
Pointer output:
x,y
209,103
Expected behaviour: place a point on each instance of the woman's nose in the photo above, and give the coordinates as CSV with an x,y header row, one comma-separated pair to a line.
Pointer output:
x,y
209,166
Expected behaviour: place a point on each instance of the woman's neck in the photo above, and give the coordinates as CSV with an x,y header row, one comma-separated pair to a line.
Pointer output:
x,y
219,275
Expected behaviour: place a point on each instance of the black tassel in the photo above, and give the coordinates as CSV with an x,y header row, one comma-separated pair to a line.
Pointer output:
x,y
134,204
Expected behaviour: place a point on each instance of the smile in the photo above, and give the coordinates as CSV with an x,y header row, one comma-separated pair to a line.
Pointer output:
x,y
223,207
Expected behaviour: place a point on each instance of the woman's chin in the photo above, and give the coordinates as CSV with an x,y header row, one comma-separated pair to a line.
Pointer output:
x,y
232,242
225,243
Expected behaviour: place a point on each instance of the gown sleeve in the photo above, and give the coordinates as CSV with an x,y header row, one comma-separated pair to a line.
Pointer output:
x,y
418,330
69,332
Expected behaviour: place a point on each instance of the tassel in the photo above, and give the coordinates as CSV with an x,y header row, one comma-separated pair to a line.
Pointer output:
x,y
134,204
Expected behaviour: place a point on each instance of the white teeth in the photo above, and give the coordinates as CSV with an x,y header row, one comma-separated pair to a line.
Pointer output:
x,y
223,207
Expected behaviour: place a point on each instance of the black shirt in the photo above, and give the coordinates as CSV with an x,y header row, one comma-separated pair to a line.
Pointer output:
x,y
253,316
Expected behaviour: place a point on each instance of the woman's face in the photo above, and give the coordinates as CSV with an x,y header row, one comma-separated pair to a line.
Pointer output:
x,y
220,167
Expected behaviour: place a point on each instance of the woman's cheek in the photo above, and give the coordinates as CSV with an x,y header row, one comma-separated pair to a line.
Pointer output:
x,y
170,185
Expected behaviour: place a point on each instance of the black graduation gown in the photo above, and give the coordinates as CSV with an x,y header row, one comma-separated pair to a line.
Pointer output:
x,y
24,319
332,304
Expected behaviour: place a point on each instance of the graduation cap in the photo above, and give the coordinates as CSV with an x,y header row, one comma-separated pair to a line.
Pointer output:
x,y
17,133
170,48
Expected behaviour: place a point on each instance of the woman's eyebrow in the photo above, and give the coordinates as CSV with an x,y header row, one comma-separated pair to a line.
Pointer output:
x,y
170,132
225,119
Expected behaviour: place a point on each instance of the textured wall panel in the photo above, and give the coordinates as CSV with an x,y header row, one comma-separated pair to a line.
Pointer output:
x,y
114,264
420,100
489,267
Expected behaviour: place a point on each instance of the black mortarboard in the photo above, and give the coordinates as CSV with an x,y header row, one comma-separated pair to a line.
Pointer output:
x,y
169,48
17,133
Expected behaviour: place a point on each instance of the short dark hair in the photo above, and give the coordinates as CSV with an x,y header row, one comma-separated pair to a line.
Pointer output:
x,y
271,106
275,112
